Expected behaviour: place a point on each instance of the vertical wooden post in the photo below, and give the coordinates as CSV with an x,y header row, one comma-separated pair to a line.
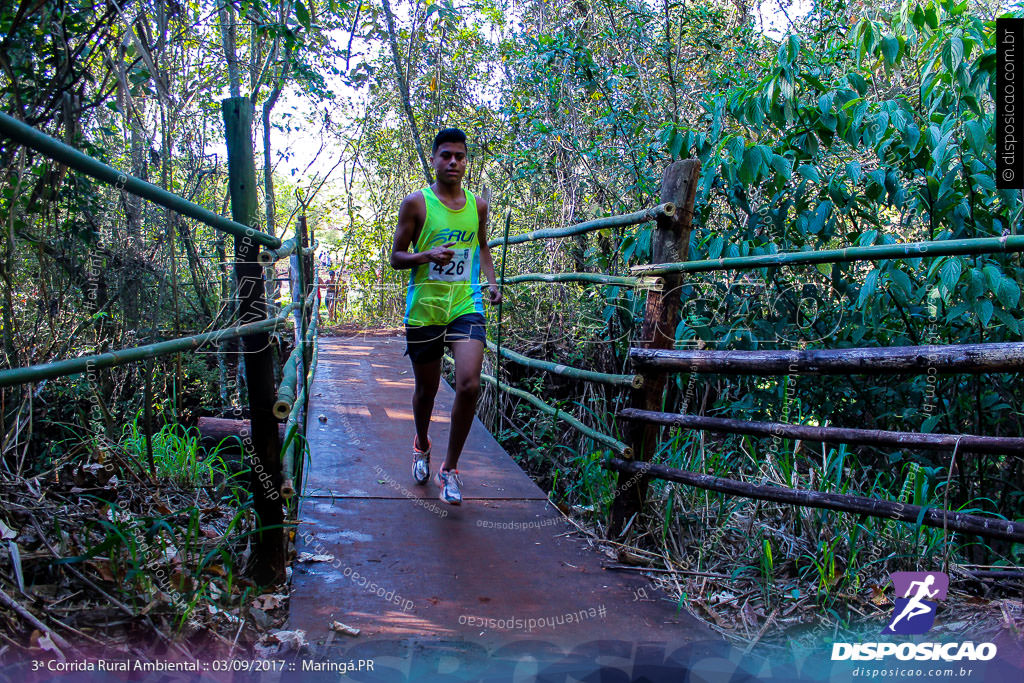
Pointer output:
x,y
670,243
262,450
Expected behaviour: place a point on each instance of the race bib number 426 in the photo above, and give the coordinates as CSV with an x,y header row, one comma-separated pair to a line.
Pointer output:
x,y
455,270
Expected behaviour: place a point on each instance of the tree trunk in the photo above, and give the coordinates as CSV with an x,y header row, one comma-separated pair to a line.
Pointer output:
x,y
403,90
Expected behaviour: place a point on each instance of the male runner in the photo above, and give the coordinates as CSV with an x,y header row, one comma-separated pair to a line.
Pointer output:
x,y
446,225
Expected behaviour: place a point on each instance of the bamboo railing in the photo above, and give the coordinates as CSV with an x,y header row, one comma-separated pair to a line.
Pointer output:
x,y
268,548
659,357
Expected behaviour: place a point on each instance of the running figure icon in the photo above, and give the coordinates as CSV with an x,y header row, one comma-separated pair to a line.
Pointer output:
x,y
915,604
915,607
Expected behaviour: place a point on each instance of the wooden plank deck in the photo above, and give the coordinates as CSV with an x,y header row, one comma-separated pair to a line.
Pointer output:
x,y
502,568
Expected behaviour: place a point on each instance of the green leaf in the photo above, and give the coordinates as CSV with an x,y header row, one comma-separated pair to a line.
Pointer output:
x,y
676,144
902,282
782,166
1008,293
890,49
810,172
868,288
994,276
817,223
983,308
950,272
853,172
792,48
750,169
302,14
1007,319
918,17
956,53
858,82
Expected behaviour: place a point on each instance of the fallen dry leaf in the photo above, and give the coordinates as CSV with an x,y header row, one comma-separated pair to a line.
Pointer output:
x,y
280,642
268,601
43,642
878,596
102,566
311,557
714,615
343,628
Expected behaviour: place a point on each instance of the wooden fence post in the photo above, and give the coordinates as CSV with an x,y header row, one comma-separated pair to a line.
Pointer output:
x,y
669,243
263,449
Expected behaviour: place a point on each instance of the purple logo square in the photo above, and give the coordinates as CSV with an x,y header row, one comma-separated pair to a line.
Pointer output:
x,y
916,600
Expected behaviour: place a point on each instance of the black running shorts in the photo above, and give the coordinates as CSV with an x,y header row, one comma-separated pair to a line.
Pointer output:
x,y
425,343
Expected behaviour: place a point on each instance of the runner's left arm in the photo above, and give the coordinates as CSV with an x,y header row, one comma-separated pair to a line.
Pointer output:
x,y
486,263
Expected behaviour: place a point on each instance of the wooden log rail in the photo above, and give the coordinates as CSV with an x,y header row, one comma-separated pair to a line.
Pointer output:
x,y
988,527
213,431
966,358
964,443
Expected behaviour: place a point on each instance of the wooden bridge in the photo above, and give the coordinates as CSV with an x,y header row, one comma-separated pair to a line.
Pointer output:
x,y
381,555
398,564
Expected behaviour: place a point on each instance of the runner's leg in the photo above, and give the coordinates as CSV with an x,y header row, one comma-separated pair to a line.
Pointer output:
x,y
469,356
427,375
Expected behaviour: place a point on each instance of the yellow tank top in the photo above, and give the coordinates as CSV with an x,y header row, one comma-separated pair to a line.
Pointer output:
x,y
437,294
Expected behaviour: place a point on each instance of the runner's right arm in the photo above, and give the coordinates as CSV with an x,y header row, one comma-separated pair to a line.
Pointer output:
x,y
411,216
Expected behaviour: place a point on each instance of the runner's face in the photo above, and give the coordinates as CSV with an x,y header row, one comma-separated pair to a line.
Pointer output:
x,y
449,162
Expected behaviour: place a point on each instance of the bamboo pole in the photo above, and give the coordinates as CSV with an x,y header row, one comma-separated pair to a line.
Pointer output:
x,y
596,278
291,469
310,375
501,276
877,252
613,443
287,248
633,381
65,154
989,527
967,358
291,440
868,437
289,387
286,390
666,209
74,366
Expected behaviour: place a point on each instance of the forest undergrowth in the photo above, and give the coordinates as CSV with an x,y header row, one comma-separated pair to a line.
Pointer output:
x,y
151,556
756,571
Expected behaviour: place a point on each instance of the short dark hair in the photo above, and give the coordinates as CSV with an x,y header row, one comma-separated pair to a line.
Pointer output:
x,y
448,135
